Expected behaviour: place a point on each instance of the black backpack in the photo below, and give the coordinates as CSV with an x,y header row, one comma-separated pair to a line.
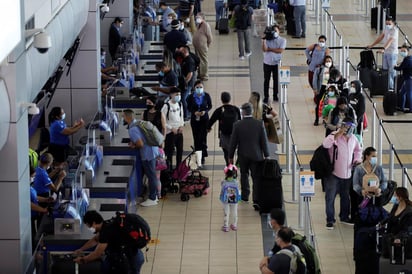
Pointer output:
x,y
228,117
196,59
134,229
243,20
321,163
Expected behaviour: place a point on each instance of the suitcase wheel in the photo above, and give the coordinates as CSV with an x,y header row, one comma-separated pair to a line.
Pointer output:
x,y
197,193
184,197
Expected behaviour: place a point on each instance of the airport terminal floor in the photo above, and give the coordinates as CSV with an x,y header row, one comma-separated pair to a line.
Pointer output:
x,y
188,234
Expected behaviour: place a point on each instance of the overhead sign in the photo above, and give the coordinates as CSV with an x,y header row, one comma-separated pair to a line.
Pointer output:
x,y
284,75
307,183
325,4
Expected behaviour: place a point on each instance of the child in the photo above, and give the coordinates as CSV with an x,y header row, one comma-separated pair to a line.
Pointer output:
x,y
230,196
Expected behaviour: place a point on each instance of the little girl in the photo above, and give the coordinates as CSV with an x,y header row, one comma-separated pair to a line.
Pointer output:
x,y
230,196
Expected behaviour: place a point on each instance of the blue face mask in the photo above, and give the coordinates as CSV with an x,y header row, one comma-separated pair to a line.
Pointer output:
x,y
177,98
161,73
394,200
199,90
388,27
331,93
63,116
403,53
373,161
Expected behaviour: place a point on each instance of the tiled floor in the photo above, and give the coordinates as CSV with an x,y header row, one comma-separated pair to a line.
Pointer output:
x,y
187,235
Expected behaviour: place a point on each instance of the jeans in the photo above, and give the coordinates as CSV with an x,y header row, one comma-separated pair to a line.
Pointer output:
x,y
135,263
269,70
219,9
243,36
299,14
333,186
389,62
149,168
246,165
406,93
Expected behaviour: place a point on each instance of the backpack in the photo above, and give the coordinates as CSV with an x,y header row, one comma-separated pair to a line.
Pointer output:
x,y
297,261
308,252
321,163
33,158
133,228
196,59
228,117
243,18
168,109
152,135
230,193
370,182
371,215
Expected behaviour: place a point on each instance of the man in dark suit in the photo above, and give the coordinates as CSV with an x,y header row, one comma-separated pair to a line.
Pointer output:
x,y
115,38
249,137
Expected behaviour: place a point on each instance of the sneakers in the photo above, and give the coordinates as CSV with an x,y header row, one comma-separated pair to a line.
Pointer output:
x,y
347,221
225,228
330,226
248,54
316,123
233,227
242,58
149,202
256,206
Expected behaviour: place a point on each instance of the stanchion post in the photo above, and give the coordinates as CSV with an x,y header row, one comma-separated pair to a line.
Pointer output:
x,y
405,177
373,129
391,160
301,211
379,149
294,177
307,219
287,143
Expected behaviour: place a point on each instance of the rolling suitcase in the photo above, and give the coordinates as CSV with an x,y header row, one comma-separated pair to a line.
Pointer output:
x,y
379,81
270,192
390,102
366,65
223,24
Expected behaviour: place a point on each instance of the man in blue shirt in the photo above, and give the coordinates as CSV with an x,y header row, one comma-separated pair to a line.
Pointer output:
x,y
148,155
165,27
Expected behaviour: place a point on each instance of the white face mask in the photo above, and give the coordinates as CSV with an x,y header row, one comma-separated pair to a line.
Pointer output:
x,y
169,20
92,230
276,34
389,27
322,44
198,20
328,64
31,180
64,116
352,90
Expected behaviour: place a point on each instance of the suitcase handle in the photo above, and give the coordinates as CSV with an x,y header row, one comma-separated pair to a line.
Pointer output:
x,y
377,58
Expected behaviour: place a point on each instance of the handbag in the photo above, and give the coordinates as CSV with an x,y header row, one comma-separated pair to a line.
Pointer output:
x,y
273,131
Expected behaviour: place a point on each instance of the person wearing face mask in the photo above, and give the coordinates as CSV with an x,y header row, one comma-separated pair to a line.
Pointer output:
x,y
357,101
185,32
335,77
173,113
110,245
345,149
202,39
42,182
389,37
406,88
374,174
272,46
320,81
199,103
315,55
174,38
167,80
59,135
338,114
328,102
400,217
115,37
166,20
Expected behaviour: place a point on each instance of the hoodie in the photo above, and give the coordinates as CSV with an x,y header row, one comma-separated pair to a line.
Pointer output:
x,y
357,101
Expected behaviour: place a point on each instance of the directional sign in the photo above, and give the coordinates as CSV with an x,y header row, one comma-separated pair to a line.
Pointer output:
x,y
284,75
307,183
325,4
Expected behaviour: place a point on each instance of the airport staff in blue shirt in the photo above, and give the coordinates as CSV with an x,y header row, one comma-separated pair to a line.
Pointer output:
x,y
148,155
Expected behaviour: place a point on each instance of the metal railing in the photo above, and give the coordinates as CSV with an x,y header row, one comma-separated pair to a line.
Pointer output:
x,y
329,29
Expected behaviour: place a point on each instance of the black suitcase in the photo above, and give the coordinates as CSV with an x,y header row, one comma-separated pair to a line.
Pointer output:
x,y
365,77
367,59
364,250
270,192
379,81
390,102
223,23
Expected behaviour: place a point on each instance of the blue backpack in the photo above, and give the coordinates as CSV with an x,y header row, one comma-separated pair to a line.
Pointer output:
x,y
230,193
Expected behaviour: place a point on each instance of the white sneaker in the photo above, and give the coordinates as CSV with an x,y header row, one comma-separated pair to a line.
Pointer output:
x,y
149,202
242,58
248,54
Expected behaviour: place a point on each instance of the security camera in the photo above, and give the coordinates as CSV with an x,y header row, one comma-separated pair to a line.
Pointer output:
x,y
42,42
104,8
31,108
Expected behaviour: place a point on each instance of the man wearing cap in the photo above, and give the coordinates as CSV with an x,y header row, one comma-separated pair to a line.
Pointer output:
x,y
174,37
344,147
251,149
115,37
